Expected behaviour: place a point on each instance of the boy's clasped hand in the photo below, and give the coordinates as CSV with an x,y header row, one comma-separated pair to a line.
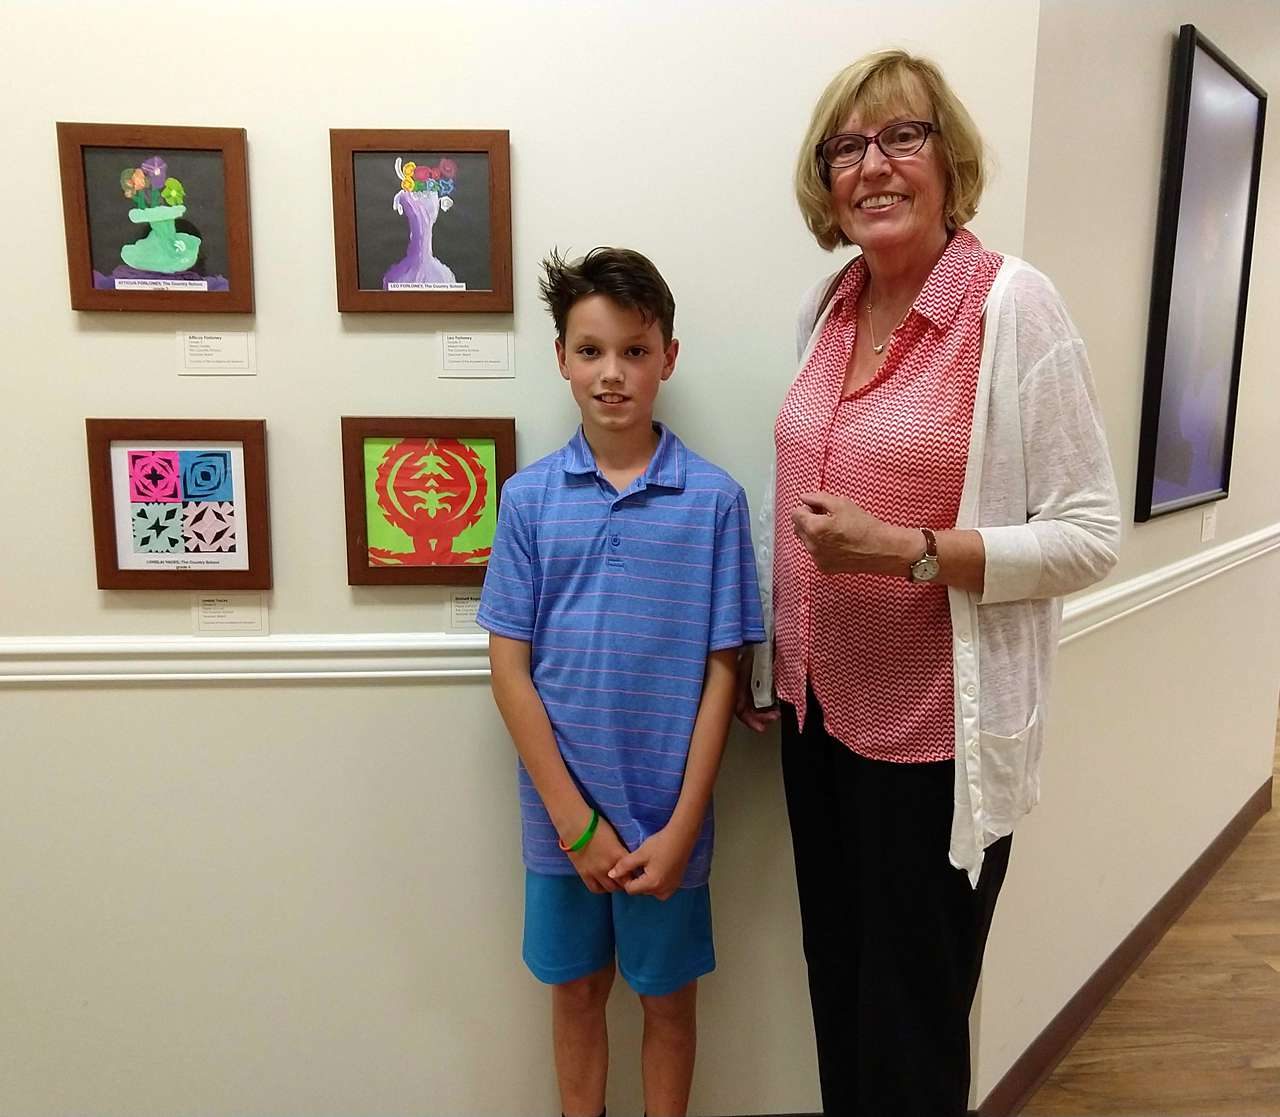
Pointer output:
x,y
655,868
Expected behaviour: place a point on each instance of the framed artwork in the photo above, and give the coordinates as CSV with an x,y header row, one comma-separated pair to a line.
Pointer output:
x,y
157,218
422,220
179,504
422,497
1204,244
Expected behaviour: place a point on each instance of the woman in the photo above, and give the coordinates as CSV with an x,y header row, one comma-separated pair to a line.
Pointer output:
x,y
942,480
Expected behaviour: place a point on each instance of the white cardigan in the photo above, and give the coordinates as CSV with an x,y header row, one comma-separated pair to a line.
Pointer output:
x,y
1040,489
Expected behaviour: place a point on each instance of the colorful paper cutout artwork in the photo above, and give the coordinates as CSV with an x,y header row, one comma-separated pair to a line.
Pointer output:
x,y
209,526
153,475
181,501
157,528
425,193
421,497
430,502
206,474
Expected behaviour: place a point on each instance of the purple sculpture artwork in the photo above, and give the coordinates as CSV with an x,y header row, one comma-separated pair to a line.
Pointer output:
x,y
425,193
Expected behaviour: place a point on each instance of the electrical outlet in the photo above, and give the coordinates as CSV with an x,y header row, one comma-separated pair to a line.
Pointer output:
x,y
1209,523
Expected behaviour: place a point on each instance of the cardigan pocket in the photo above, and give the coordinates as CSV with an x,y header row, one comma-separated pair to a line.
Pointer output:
x,y
1004,776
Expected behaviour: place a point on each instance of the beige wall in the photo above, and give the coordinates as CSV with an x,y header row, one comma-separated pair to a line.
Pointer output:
x,y
1102,79
265,897
282,897
321,912
668,126
1162,724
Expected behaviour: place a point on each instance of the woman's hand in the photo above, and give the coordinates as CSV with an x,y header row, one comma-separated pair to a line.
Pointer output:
x,y
843,539
744,704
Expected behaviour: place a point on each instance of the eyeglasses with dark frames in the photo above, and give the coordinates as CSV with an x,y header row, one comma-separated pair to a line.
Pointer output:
x,y
895,141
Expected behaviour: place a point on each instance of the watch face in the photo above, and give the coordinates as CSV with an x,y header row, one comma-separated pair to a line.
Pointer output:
x,y
925,569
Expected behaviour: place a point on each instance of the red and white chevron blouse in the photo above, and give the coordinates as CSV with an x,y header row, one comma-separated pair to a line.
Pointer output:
x,y
877,650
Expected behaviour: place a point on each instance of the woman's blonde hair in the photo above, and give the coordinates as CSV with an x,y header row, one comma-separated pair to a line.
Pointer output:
x,y
879,84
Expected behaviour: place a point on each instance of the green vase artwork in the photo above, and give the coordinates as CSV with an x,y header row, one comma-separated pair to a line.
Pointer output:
x,y
163,249
165,252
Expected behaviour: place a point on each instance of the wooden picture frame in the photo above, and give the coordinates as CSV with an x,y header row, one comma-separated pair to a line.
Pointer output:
x,y
422,220
1200,285
179,504
193,249
406,531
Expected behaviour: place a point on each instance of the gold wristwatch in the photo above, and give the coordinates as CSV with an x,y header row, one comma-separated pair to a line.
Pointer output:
x,y
925,568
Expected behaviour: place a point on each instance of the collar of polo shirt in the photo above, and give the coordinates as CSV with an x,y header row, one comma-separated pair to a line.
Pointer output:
x,y
665,469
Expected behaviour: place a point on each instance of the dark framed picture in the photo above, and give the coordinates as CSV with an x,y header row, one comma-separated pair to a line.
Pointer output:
x,y
422,220
157,218
180,504
1204,244
422,497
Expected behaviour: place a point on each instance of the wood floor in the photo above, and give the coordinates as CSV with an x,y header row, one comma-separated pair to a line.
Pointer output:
x,y
1196,1029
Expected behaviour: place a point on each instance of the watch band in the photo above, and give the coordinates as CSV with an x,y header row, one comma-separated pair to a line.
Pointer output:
x,y
925,568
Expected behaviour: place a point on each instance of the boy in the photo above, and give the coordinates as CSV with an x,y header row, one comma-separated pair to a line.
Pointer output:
x,y
620,588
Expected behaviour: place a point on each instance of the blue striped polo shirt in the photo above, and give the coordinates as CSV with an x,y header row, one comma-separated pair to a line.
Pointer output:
x,y
622,596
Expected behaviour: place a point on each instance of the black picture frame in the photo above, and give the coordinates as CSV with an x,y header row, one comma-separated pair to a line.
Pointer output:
x,y
1200,284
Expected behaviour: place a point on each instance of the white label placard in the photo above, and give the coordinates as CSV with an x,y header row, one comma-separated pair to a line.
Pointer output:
x,y
480,355
205,354
162,284
463,606
426,286
225,614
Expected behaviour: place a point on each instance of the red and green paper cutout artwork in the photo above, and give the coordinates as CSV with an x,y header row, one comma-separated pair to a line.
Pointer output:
x,y
430,501
422,497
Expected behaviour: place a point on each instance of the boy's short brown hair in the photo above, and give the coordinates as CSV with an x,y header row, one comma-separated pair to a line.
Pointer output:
x,y
624,276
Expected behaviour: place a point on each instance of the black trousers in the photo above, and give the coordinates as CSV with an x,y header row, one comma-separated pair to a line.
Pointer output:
x,y
893,934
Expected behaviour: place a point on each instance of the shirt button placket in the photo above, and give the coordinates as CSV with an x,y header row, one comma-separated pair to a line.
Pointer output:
x,y
613,538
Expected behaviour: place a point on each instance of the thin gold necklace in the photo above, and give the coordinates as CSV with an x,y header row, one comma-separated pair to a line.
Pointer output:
x,y
871,324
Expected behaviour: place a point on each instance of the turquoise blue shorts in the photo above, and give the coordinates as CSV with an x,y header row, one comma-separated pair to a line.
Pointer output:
x,y
570,932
